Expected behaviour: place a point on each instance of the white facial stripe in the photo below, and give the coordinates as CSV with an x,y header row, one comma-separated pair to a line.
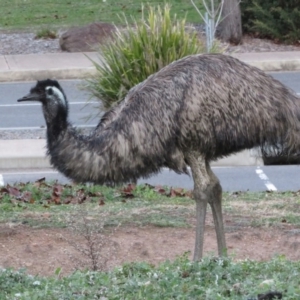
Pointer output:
x,y
58,94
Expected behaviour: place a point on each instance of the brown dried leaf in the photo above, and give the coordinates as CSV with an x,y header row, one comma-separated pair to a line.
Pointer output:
x,y
129,188
177,192
159,189
189,194
82,199
70,200
172,193
41,180
56,200
296,193
4,191
57,190
101,201
26,197
127,191
80,193
81,196
41,183
12,191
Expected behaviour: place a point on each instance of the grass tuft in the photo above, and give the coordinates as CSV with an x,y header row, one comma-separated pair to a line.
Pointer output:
x,y
46,33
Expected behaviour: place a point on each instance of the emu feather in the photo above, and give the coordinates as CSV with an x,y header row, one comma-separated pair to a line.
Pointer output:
x,y
193,111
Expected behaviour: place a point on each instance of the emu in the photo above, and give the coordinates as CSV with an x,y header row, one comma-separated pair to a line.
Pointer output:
x,y
191,112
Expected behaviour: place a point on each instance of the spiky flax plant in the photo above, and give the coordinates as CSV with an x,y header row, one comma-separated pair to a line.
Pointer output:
x,y
139,50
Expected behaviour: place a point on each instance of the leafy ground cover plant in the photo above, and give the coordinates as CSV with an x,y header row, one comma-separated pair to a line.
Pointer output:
x,y
138,51
212,278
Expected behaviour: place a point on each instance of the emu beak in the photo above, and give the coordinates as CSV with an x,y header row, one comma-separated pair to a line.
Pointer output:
x,y
30,97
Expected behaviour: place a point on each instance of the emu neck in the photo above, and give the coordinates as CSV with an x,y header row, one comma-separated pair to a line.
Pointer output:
x,y
109,156
56,124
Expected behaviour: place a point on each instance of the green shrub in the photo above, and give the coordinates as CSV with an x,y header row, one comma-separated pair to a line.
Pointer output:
x,y
139,51
46,33
274,19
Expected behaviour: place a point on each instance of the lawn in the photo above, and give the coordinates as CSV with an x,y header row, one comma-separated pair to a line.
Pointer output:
x,y
31,14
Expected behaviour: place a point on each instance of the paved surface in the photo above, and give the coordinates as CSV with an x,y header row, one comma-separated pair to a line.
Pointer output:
x,y
31,153
53,65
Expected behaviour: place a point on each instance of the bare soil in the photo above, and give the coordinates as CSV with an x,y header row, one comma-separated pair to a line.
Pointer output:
x,y
42,251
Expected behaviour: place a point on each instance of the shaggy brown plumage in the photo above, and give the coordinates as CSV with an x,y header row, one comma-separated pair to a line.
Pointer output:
x,y
191,112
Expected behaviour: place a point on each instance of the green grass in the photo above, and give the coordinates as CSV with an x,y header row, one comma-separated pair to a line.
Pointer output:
x,y
47,204
210,279
20,14
264,209
146,207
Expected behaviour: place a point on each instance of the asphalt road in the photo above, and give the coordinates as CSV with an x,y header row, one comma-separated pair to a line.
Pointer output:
x,y
254,179
28,115
16,115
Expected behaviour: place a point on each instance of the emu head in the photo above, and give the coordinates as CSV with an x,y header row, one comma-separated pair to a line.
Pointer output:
x,y
53,99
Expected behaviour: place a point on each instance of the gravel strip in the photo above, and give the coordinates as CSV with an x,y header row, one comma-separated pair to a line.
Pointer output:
x,y
32,134
25,43
22,134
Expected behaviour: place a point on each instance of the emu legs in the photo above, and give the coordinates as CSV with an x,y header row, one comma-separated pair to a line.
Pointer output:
x,y
215,201
207,189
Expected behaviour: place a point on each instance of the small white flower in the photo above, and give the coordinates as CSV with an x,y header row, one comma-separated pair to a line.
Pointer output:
x,y
18,295
36,282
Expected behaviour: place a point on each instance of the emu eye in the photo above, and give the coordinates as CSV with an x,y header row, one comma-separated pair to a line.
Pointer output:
x,y
50,91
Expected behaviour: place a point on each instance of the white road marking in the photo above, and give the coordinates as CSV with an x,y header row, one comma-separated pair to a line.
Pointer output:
x,y
1,180
270,186
56,172
29,173
35,128
39,104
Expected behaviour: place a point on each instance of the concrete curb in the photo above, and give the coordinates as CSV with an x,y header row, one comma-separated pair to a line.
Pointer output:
x,y
23,154
79,65
30,153
272,61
